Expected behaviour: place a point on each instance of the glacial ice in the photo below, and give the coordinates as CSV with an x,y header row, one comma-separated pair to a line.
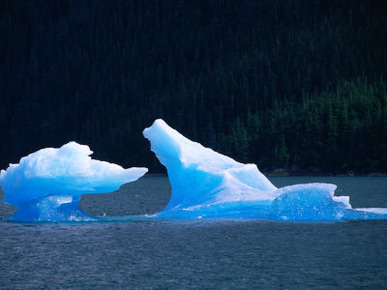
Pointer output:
x,y
47,185
206,184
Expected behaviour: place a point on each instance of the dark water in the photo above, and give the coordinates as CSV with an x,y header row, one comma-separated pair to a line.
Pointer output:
x,y
198,254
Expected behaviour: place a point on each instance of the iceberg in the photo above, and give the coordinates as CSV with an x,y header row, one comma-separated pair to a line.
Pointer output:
x,y
47,185
207,184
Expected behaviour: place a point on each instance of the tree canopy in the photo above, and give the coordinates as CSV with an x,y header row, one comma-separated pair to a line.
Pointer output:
x,y
285,84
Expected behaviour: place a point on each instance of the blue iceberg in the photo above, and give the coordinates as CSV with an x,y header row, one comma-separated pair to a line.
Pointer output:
x,y
47,185
206,184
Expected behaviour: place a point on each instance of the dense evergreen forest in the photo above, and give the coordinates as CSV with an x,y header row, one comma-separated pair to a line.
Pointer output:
x,y
294,84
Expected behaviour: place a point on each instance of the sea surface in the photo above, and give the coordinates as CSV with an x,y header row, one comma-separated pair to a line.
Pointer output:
x,y
165,254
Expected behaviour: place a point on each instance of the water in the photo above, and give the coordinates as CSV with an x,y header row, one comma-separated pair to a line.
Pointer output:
x,y
198,254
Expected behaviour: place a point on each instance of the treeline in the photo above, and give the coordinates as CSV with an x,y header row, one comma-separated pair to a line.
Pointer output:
x,y
339,131
285,84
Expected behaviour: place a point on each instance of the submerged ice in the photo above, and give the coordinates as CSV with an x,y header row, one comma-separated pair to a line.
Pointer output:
x,y
47,185
206,184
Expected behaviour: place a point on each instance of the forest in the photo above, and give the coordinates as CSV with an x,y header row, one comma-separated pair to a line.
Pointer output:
x,y
298,85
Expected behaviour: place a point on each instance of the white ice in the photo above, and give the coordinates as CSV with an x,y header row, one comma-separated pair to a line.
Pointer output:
x,y
208,184
51,177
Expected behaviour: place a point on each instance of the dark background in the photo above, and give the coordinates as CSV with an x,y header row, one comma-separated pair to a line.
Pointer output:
x,y
295,84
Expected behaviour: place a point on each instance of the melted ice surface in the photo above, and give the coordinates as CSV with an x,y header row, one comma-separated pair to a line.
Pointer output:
x,y
206,184
47,184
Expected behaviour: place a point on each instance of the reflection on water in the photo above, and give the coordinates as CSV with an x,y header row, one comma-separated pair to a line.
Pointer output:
x,y
194,254
150,194
198,254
